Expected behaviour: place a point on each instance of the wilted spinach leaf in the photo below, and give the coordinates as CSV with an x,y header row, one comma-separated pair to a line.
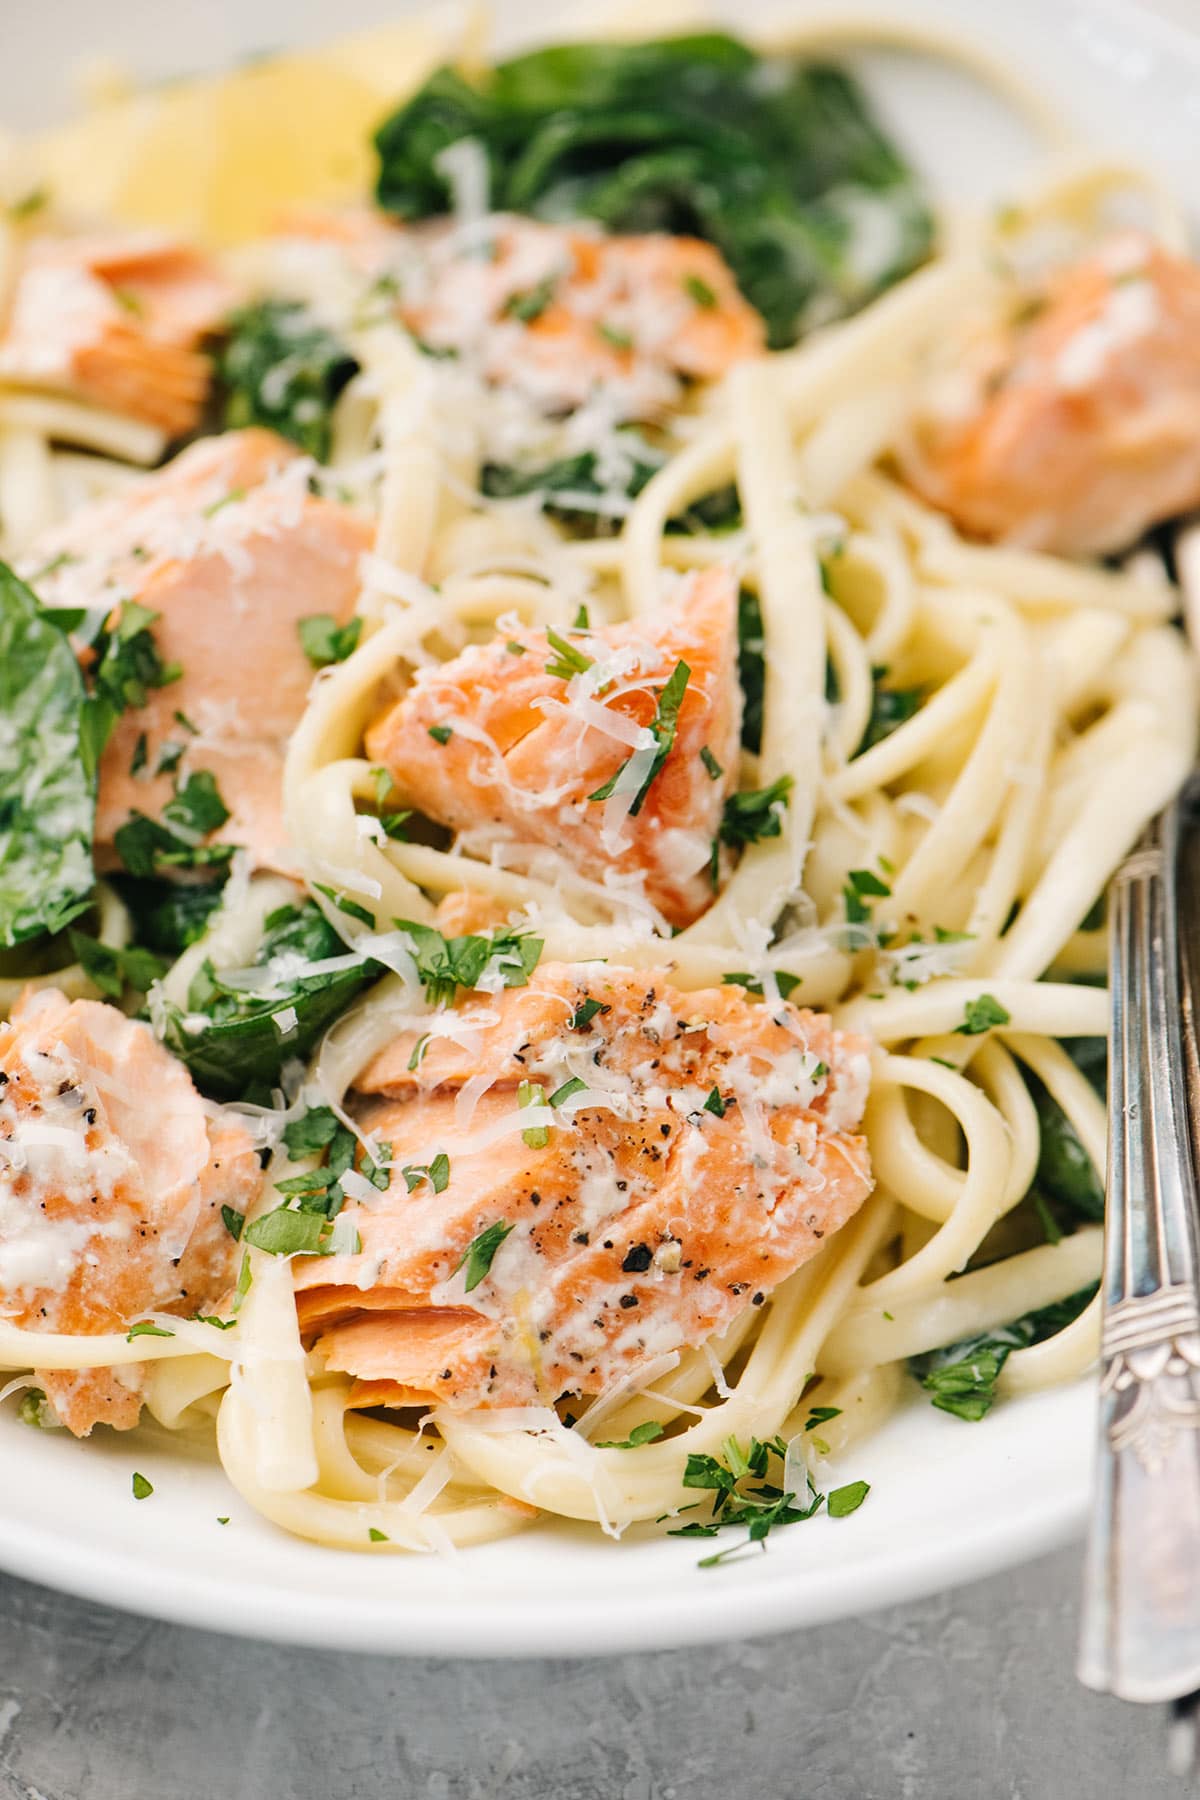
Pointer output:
x,y
751,668
283,369
47,798
168,915
961,1378
780,164
241,1050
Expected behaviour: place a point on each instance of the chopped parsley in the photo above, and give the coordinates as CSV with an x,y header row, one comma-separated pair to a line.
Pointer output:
x,y
697,289
126,666
615,337
568,660
760,1507
233,1221
845,1500
142,1489
378,1537
446,964
532,303
441,734
285,1232
585,1012
147,846
715,771
981,1015
662,728
714,1103
144,1328
324,641
648,1432
862,886
756,813
480,1254
787,984
515,649
436,1173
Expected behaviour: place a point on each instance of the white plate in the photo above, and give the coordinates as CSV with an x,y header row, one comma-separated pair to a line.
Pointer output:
x,y
949,1500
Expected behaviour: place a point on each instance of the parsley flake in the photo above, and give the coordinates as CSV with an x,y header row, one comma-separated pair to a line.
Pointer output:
x,y
981,1015
480,1253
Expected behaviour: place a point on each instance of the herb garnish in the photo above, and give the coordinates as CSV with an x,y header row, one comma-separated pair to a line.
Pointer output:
x,y
480,1253
142,1489
585,1012
787,984
662,728
147,846
446,964
324,641
568,660
981,1015
646,1433
756,813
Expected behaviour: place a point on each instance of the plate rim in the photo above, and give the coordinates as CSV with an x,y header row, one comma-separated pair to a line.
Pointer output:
x,y
606,1625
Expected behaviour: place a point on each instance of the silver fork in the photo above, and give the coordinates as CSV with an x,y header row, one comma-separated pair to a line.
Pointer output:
x,y
1140,1634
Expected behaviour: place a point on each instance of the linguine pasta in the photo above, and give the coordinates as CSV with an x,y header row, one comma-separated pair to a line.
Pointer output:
x,y
925,885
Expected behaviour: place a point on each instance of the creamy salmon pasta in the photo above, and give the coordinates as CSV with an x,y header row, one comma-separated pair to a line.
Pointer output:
x,y
572,677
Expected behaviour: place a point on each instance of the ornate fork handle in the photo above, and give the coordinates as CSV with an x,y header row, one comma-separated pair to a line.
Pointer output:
x,y
1140,1636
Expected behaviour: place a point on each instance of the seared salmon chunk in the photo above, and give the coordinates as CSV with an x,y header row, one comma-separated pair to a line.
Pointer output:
x,y
558,740
116,321
1077,427
112,1181
230,548
626,1168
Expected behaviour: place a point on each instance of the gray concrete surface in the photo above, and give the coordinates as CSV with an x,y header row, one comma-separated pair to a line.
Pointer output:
x,y
966,1696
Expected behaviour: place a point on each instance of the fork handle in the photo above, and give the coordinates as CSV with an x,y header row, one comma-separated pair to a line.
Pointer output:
x,y
1140,1635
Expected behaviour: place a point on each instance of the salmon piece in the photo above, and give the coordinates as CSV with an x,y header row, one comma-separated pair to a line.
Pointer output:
x,y
711,1149
559,313
1078,427
112,1180
117,320
228,545
526,752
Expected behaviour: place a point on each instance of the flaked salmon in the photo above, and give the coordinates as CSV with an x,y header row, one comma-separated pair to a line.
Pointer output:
x,y
228,545
116,320
1077,426
562,314
528,740
630,1166
112,1180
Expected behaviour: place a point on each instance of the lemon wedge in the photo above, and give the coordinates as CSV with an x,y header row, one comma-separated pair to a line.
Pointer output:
x,y
218,158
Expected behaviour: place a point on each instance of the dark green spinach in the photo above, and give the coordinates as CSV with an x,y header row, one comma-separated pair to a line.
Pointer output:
x,y
240,1051
47,794
283,369
780,163
961,1378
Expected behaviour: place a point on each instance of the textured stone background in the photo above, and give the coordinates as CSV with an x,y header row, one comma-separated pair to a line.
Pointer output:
x,y
967,1696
